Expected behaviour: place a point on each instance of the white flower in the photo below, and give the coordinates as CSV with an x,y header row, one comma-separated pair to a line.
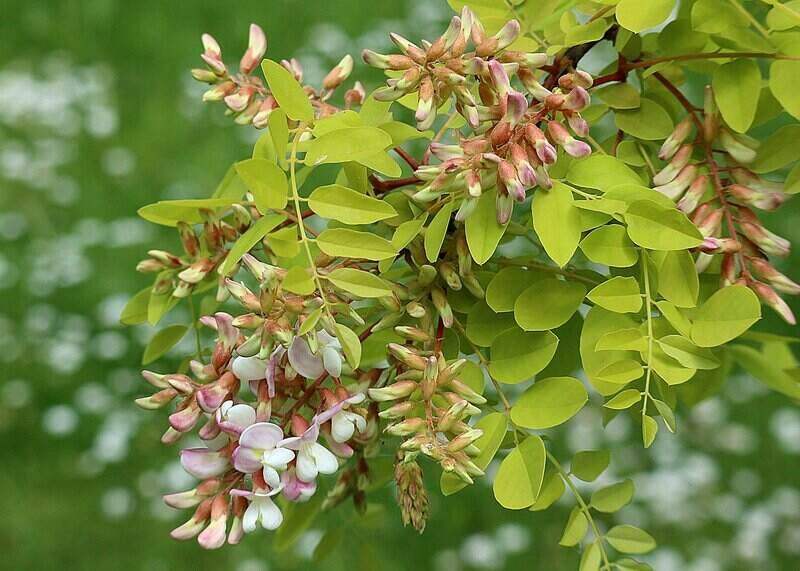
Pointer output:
x,y
312,457
311,365
234,418
262,510
261,447
343,422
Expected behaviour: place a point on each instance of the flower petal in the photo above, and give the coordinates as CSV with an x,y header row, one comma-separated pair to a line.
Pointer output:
x,y
250,518
278,458
247,460
342,428
332,361
249,368
271,476
262,435
306,363
306,466
240,415
325,460
270,516
203,463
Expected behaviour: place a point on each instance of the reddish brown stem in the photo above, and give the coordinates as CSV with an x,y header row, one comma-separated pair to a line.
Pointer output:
x,y
382,186
712,165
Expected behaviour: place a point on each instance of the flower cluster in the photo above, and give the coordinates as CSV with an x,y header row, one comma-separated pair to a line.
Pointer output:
x,y
516,139
719,197
246,96
430,410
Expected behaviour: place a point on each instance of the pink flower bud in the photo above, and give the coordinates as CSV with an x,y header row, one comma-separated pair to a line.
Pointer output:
x,y
409,48
578,124
195,524
394,391
185,419
508,175
712,245
577,99
339,73
204,463
767,241
507,34
213,536
678,186
769,297
670,171
504,205
763,269
675,139
157,400
763,200
256,48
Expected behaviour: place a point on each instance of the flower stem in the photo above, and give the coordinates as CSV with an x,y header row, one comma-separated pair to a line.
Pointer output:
x,y
649,314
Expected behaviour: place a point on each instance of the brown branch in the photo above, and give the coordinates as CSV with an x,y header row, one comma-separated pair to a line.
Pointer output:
x,y
382,186
411,161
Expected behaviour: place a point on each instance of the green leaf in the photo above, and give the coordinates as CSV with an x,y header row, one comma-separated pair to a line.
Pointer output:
x,y
630,539
482,228
637,16
552,489
631,339
407,231
725,315
767,370
649,122
518,355
736,87
557,222
591,558
471,374
614,497
619,96
354,244
279,134
649,430
349,144
576,528
246,241
298,280
587,465
170,212
519,478
666,413
266,181
162,342
494,427
436,231
548,303
359,282
687,353
784,81
589,32
620,294
677,277
784,15
657,228
310,322
159,306
549,402
484,325
601,172
507,285
598,323
715,16
624,399
287,92
610,246
338,202
621,372
630,193
284,242
351,345
778,150
135,311
675,318
401,132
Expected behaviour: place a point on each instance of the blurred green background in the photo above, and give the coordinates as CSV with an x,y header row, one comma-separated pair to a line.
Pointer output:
x,y
99,116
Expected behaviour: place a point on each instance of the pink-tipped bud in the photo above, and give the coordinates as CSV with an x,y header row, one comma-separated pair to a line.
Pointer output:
x,y
769,297
577,99
157,400
671,170
355,96
397,390
525,172
213,536
675,188
713,245
426,111
710,224
504,205
740,147
409,48
508,175
763,200
578,124
675,139
256,48
763,269
499,78
767,241
339,73
507,34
